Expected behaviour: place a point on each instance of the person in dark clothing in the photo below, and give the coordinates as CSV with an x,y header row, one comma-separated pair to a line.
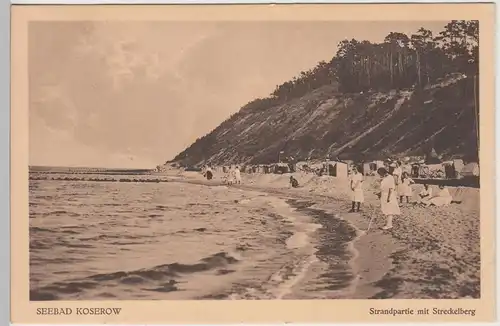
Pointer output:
x,y
209,174
293,182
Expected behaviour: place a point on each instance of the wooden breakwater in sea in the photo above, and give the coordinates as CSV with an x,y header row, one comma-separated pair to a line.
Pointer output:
x,y
88,170
97,179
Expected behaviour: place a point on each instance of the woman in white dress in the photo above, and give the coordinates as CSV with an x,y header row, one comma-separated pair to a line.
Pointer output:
x,y
388,199
237,175
397,172
230,175
356,184
404,188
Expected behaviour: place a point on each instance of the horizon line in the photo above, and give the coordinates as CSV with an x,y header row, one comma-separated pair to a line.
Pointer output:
x,y
86,167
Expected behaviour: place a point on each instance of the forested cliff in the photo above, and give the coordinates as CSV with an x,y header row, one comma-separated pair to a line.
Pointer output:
x,y
398,97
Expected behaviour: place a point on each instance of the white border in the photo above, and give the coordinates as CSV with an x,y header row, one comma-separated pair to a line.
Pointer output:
x,y
5,121
90,2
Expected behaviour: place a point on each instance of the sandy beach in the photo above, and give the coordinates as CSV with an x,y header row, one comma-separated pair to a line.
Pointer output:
x,y
430,253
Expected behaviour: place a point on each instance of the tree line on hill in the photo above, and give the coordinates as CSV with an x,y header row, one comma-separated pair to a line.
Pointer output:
x,y
399,62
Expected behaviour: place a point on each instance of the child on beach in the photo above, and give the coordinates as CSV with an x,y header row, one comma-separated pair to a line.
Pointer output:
x,y
404,188
230,176
293,182
237,175
356,184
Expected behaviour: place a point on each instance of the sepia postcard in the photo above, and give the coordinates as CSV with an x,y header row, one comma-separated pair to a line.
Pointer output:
x,y
177,164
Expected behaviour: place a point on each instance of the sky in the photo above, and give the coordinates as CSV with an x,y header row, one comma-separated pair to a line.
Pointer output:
x,y
135,94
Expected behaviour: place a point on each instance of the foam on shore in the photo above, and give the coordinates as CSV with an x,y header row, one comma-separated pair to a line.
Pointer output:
x,y
430,253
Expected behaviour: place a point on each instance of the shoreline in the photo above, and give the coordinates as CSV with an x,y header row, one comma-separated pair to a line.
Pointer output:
x,y
355,278
431,253
337,239
369,252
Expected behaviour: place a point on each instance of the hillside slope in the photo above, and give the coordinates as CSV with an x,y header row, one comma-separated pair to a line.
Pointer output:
x,y
365,125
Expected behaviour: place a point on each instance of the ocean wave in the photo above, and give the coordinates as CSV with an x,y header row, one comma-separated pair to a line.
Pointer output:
x,y
41,261
188,231
165,287
39,229
38,295
53,213
36,244
73,226
69,231
53,291
47,197
79,245
104,237
217,260
127,243
101,237
160,278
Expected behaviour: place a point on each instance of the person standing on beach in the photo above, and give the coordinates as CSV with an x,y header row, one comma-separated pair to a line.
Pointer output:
x,y
388,200
237,175
356,184
230,175
397,172
208,172
404,188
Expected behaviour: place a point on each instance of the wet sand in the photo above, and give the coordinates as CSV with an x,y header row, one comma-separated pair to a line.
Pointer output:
x,y
430,253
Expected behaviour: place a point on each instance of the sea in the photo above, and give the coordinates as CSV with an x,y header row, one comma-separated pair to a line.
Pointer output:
x,y
101,240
